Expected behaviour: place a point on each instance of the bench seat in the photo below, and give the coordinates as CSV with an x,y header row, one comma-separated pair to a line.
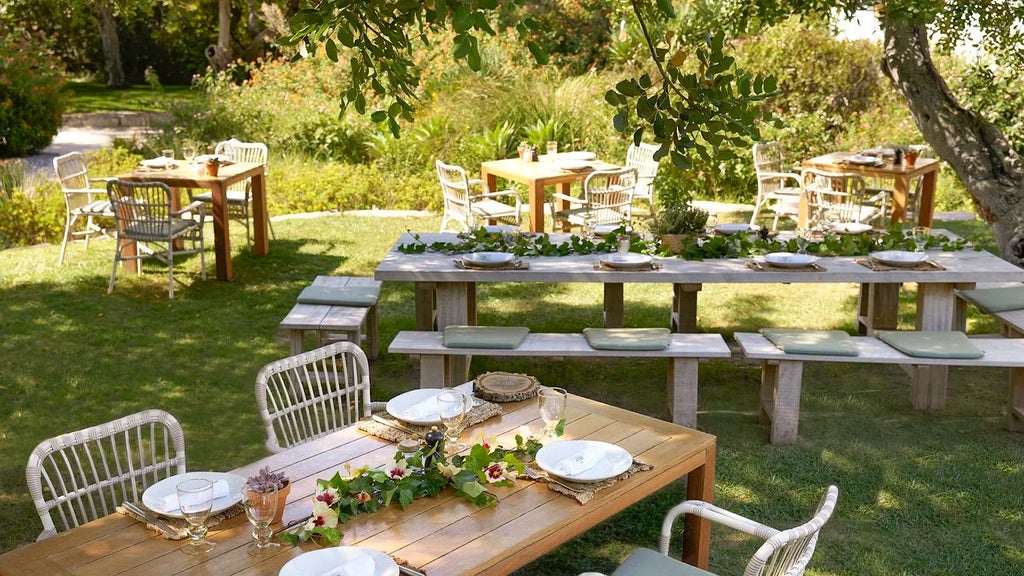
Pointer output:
x,y
333,323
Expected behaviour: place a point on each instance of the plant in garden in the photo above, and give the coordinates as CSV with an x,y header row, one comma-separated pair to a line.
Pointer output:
x,y
31,102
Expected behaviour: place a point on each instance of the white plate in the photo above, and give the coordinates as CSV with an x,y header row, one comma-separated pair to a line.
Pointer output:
x,y
579,155
602,230
627,261
325,559
572,165
864,160
399,406
501,229
730,229
614,462
899,257
488,259
154,496
850,227
789,260
160,162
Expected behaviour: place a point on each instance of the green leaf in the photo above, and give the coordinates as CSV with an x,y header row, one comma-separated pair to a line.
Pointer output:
x,y
612,97
628,88
331,49
538,53
666,8
621,120
473,489
378,116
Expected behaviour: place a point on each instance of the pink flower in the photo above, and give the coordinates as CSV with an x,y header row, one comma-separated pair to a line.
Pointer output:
x,y
497,472
399,470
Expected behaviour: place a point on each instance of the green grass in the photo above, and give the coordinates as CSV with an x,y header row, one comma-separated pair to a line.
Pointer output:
x,y
920,493
96,97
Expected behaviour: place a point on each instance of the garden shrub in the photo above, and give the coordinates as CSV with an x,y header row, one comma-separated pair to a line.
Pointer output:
x,y
31,103
298,185
29,218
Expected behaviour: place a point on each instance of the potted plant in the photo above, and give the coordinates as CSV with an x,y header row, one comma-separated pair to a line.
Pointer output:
x,y
213,163
677,220
265,481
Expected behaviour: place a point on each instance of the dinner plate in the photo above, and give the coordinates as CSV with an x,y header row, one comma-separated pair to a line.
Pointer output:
x,y
899,257
488,259
730,229
602,230
500,228
572,165
850,227
324,560
612,460
579,155
789,260
415,406
160,162
627,261
154,496
863,160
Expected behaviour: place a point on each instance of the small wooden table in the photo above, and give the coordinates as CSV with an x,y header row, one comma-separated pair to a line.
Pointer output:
x,y
536,175
189,177
444,536
902,176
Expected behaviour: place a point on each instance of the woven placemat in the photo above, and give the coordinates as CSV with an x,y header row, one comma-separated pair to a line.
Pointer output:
x,y
505,386
655,265
181,525
584,492
514,265
926,266
766,267
477,415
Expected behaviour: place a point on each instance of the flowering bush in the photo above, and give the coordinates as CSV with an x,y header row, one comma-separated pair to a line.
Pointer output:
x,y
31,103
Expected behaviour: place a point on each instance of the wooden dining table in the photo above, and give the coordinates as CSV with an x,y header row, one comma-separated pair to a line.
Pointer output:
x,y
190,176
442,536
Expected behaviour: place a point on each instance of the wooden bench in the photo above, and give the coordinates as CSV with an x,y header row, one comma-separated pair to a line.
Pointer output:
x,y
684,352
781,375
332,323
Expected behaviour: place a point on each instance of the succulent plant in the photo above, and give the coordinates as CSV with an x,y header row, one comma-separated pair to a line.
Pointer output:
x,y
264,480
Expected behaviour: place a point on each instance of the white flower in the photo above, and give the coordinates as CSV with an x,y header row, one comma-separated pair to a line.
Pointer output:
x,y
399,470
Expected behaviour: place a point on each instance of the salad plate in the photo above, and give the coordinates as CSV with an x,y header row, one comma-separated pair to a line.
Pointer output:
x,y
583,460
488,259
227,492
790,260
901,258
341,561
730,229
417,406
627,261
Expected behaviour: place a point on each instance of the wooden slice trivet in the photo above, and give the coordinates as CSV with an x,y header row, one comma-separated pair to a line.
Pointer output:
x,y
505,386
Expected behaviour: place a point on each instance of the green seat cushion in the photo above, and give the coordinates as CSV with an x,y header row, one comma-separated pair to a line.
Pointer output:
x,y
995,299
503,337
627,338
818,342
645,562
340,295
931,344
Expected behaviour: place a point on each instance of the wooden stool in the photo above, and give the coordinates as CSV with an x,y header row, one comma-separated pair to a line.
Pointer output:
x,y
334,322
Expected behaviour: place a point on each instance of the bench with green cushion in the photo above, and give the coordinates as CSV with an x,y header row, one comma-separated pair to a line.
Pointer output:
x,y
931,344
993,300
627,338
339,295
819,342
491,337
335,308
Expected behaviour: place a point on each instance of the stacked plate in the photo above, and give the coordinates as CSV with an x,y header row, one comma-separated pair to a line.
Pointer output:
x,y
155,497
583,460
627,261
341,561
790,260
850,227
488,259
159,162
730,229
416,406
899,258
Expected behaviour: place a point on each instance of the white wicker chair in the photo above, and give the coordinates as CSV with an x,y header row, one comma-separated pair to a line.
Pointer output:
x,y
784,552
641,157
240,193
310,395
778,189
81,200
468,210
78,477
607,199
838,197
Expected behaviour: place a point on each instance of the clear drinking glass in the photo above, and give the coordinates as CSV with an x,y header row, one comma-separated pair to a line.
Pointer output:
x,y
552,407
453,407
188,151
552,147
195,499
168,153
260,508
709,226
921,235
803,238
589,227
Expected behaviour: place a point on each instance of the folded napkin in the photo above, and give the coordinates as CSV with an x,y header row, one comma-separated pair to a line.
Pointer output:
x,y
627,338
995,299
931,344
358,566
339,295
170,502
821,342
423,410
494,337
579,462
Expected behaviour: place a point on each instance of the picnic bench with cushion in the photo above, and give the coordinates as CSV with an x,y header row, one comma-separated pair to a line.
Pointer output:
x,y
335,308
782,372
683,351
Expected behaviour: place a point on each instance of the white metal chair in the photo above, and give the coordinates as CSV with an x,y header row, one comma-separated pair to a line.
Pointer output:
x,y
784,552
144,216
81,200
641,157
80,476
838,197
310,395
607,199
468,210
778,188
239,194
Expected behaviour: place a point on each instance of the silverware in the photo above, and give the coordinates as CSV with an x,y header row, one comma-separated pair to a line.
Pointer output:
x,y
392,424
545,477
287,527
409,571
152,519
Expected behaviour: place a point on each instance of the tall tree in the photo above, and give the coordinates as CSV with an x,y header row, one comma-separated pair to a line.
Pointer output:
x,y
107,26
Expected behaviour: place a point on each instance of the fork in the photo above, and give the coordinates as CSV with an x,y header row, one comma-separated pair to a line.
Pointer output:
x,y
544,477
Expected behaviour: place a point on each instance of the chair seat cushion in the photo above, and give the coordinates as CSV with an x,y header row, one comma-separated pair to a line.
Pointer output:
x,y
995,299
645,562
339,295
931,344
496,337
493,208
157,230
819,342
96,207
627,338
234,197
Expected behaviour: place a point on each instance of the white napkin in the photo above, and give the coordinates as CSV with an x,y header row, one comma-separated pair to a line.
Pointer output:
x,y
170,502
581,461
361,565
423,410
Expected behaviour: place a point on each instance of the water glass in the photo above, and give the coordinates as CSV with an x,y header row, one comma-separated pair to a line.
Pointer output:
x,y
168,153
189,153
195,499
453,406
803,238
552,407
710,226
589,227
552,147
921,235
260,508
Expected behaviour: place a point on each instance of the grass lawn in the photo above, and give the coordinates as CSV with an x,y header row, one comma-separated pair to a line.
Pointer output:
x,y
935,494
96,97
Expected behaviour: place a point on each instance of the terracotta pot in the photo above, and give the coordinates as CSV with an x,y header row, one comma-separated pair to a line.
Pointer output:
x,y
282,498
911,157
212,168
674,242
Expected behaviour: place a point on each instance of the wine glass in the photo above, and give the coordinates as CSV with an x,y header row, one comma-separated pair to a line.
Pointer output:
x,y
189,152
920,234
260,508
803,238
710,226
552,407
453,406
589,227
195,499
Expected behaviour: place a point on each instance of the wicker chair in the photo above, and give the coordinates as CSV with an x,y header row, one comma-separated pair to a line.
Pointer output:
x,y
778,189
81,476
784,552
144,216
607,199
310,395
466,209
81,200
239,194
838,197
641,157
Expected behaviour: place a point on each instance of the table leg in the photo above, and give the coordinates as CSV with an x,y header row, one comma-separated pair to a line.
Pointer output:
x,y
936,305
261,245
565,188
877,307
425,300
221,235
803,216
537,206
926,204
700,485
900,189
614,309
179,244
684,307
453,308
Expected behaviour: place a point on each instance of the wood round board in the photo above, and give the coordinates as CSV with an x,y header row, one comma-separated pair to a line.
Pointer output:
x,y
505,386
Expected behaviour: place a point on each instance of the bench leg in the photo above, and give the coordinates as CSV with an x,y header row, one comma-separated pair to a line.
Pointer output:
x,y
432,370
614,309
684,308
295,341
682,391
1015,403
780,399
372,342
928,387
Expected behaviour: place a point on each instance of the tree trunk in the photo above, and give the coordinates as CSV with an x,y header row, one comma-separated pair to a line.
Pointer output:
x,y
111,46
976,149
219,54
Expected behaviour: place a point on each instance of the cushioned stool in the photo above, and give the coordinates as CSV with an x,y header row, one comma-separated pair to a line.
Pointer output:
x,y
336,308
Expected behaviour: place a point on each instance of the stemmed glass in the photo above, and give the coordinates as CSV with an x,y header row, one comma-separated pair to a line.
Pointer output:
x,y
260,508
453,407
710,227
195,499
920,234
552,408
189,152
803,238
589,227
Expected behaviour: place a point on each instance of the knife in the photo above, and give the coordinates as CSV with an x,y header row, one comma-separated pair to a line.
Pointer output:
x,y
392,424
409,571
152,519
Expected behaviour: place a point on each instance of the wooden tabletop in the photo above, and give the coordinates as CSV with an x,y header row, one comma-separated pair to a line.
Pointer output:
x,y
443,536
837,162
185,176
